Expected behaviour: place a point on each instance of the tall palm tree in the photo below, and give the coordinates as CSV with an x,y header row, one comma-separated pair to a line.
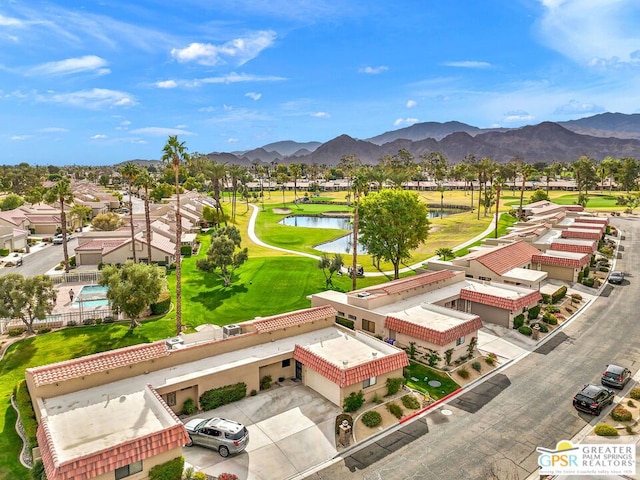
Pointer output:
x,y
235,172
218,172
175,154
61,193
144,180
295,171
482,169
80,214
130,171
501,175
526,172
438,168
359,185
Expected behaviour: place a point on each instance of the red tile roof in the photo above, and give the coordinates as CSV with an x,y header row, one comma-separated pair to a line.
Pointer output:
x,y
501,302
308,315
572,247
100,244
559,261
409,283
581,233
98,362
574,208
345,377
430,335
504,258
109,459
599,220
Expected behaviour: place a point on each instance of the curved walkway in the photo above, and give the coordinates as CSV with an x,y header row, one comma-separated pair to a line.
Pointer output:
x,y
254,238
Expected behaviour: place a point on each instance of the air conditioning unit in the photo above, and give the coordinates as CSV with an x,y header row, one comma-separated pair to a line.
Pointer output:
x,y
174,343
231,330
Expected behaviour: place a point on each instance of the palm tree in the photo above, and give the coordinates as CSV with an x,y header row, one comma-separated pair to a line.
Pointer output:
x,y
175,154
61,193
295,171
80,214
444,253
438,167
359,185
235,172
501,175
145,181
526,171
130,171
218,172
482,169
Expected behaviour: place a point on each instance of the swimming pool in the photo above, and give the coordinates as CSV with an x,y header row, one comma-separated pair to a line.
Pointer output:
x,y
91,296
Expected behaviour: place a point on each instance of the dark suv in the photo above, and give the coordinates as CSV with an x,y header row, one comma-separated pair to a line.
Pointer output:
x,y
615,376
592,399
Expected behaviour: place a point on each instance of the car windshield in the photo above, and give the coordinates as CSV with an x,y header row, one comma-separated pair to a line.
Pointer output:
x,y
583,398
201,424
612,375
237,435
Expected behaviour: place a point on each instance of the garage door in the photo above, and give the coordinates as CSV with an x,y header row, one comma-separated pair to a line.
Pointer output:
x,y
89,258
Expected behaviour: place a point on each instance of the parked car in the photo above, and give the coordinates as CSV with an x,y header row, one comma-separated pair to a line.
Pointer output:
x,y
592,399
615,376
57,240
225,436
616,278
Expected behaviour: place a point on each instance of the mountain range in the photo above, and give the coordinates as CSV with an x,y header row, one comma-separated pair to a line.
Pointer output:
x,y
607,134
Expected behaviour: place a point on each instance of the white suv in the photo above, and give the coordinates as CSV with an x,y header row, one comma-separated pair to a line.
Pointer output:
x,y
225,436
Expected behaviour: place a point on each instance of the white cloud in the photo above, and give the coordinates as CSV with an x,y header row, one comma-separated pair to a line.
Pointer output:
x,y
167,84
411,103
236,78
98,136
54,130
207,109
94,98
405,121
467,64
232,140
237,51
10,22
88,63
574,107
253,95
160,131
20,137
373,70
518,116
591,32
320,115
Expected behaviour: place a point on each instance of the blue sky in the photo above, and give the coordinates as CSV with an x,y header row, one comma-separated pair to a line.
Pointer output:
x,y
104,82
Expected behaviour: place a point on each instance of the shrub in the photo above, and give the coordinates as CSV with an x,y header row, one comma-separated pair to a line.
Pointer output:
x,y
72,323
463,372
630,403
542,326
604,430
189,407
621,414
353,402
4,252
393,385
162,304
27,415
525,330
552,309
372,419
476,366
395,410
629,429
518,321
15,331
265,382
580,276
108,320
588,282
186,250
221,396
410,402
546,298
635,393
345,323
550,318
533,312
37,472
489,360
89,321
586,271
559,294
253,392
42,330
376,399
227,476
603,269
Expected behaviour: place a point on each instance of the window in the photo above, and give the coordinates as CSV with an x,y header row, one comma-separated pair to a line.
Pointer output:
x,y
368,326
352,317
171,399
459,341
369,382
122,472
286,363
341,314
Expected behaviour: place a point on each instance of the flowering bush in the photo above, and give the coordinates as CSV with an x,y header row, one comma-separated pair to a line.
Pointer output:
x,y
227,476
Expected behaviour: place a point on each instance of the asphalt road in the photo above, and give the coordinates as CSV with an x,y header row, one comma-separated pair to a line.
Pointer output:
x,y
493,430
42,261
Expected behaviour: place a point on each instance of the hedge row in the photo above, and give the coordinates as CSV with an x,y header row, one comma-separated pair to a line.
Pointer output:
x,y
162,305
217,397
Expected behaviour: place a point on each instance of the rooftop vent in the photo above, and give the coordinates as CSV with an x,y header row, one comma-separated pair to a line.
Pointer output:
x,y
363,294
231,330
174,343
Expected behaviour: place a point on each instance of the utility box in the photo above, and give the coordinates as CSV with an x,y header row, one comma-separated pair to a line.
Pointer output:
x,y
231,330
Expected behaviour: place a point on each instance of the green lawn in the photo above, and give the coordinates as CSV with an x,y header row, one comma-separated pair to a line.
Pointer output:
x,y
420,371
504,223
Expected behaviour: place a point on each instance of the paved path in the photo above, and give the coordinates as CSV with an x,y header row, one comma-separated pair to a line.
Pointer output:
x,y
255,239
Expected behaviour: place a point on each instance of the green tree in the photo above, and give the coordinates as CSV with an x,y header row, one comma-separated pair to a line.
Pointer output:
x,y
360,186
79,215
161,190
61,193
627,174
129,172
329,266
295,171
392,223
438,169
11,201
26,298
133,287
175,154
584,173
538,196
224,255
444,253
106,222
526,171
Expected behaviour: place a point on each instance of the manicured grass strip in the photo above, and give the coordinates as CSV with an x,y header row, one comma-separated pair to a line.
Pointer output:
x,y
419,371
506,220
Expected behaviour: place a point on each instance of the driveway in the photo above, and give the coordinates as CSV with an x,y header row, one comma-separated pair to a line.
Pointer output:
x,y
291,430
